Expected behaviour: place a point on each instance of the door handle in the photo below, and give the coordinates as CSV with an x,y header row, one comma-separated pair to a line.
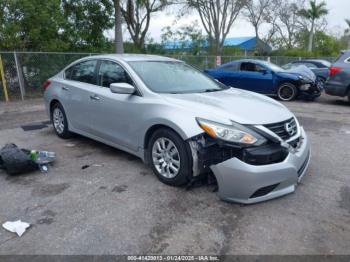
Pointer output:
x,y
94,97
65,88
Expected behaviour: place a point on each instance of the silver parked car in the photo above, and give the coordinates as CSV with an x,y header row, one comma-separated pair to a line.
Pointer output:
x,y
182,123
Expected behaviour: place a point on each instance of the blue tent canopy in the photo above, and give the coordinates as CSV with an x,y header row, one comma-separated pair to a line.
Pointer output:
x,y
244,43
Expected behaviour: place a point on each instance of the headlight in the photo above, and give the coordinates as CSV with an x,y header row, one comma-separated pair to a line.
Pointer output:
x,y
305,87
304,79
235,133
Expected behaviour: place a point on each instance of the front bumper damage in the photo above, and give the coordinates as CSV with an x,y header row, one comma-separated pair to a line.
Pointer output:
x,y
247,176
310,90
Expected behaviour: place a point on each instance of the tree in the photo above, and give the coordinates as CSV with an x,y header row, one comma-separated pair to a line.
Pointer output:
x,y
288,24
118,36
217,17
316,11
257,12
188,37
347,31
137,15
31,25
86,22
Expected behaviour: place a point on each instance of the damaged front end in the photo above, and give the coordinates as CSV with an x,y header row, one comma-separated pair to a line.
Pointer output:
x,y
253,173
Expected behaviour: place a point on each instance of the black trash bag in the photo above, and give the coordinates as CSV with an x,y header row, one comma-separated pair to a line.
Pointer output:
x,y
15,160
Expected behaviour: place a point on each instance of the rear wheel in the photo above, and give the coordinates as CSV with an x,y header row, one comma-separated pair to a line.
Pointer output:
x,y
59,121
169,157
287,92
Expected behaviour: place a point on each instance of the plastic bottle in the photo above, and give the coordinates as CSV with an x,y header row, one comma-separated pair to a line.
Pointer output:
x,y
42,158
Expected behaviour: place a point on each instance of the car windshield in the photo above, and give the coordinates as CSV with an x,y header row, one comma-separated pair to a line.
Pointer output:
x,y
273,67
174,77
287,66
326,64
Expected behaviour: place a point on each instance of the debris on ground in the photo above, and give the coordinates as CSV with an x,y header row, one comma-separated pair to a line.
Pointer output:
x,y
87,166
69,145
18,227
42,158
15,160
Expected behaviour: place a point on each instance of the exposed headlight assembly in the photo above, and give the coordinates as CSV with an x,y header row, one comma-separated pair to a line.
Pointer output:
x,y
234,133
305,87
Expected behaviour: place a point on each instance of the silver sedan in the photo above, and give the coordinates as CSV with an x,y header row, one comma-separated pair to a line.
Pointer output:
x,y
182,123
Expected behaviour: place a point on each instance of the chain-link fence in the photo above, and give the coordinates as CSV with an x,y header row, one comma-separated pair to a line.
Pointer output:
x,y
205,62
24,72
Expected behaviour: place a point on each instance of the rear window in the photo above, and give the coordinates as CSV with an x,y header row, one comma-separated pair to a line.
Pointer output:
x,y
82,72
344,56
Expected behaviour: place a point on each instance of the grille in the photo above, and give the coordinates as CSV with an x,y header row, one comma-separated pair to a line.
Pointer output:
x,y
281,128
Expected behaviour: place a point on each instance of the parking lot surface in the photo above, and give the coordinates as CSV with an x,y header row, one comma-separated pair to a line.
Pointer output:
x,y
117,206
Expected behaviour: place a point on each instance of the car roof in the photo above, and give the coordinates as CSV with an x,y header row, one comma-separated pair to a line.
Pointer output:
x,y
247,60
134,57
311,61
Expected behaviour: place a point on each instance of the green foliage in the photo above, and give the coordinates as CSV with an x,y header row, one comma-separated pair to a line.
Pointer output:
x,y
31,25
232,51
315,11
55,25
325,45
86,22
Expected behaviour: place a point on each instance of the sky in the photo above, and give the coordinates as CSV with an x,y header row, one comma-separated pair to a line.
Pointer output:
x,y
338,11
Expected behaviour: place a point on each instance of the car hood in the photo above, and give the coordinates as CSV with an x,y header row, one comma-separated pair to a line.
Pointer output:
x,y
232,104
302,70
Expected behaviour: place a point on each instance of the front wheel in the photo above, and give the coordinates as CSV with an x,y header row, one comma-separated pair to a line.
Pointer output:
x,y
169,157
287,92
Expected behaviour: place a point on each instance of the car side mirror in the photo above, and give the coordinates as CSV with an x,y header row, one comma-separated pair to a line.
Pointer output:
x,y
264,71
122,88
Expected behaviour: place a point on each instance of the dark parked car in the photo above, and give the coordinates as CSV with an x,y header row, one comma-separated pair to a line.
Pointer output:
x,y
318,66
338,83
267,78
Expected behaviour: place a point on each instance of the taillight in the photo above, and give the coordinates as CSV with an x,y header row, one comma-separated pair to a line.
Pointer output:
x,y
334,70
46,84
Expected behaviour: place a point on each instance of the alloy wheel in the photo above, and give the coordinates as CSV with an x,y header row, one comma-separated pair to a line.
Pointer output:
x,y
286,92
166,157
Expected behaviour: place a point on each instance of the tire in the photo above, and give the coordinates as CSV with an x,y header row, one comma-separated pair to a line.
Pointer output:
x,y
287,92
172,166
321,81
59,121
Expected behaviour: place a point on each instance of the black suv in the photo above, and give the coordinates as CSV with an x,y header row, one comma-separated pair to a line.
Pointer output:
x,y
338,83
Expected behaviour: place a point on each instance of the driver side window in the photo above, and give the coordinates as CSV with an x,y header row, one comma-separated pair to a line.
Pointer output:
x,y
111,72
251,67
247,67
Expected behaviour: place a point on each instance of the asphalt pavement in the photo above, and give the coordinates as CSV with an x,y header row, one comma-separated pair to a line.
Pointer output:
x,y
115,205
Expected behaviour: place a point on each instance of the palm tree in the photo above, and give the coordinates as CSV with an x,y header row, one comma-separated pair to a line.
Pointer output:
x,y
316,11
347,31
119,48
